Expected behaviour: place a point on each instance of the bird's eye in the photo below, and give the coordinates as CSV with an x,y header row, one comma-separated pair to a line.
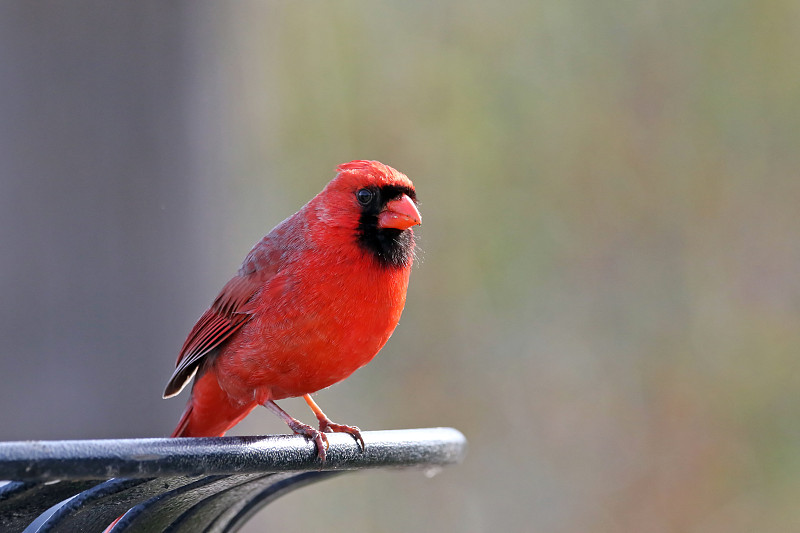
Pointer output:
x,y
364,196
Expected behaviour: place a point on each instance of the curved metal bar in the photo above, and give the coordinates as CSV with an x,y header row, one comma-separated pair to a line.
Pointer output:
x,y
187,485
212,507
141,458
161,511
229,523
95,508
22,501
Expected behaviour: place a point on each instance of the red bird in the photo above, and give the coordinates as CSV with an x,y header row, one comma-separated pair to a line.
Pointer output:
x,y
314,300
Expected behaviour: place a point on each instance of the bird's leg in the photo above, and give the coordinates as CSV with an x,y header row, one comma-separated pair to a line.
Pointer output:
x,y
326,424
299,428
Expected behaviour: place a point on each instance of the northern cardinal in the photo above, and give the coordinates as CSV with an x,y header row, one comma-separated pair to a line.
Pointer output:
x,y
314,300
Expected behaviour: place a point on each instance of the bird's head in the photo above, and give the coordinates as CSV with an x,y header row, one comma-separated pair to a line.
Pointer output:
x,y
376,205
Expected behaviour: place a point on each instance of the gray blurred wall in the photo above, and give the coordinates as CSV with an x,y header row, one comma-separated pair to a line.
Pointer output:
x,y
104,204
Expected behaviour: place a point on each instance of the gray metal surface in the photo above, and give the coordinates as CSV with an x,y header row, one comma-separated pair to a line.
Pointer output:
x,y
207,484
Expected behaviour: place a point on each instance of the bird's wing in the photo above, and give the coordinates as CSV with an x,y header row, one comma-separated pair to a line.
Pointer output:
x,y
226,316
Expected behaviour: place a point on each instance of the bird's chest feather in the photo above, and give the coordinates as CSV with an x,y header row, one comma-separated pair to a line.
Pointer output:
x,y
315,327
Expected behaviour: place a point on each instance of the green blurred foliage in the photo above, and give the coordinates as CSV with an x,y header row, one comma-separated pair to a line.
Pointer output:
x,y
608,297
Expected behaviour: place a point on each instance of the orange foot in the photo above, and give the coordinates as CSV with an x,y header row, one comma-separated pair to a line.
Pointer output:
x,y
326,425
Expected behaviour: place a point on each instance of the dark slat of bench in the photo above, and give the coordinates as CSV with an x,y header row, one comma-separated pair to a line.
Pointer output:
x,y
187,485
224,506
248,508
94,509
22,501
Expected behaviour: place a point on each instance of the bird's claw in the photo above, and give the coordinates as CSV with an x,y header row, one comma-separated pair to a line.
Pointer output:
x,y
317,436
326,426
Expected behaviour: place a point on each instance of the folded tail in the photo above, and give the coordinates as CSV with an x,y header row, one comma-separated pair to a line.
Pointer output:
x,y
210,412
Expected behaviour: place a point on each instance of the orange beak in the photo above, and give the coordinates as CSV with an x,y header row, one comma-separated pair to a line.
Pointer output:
x,y
399,214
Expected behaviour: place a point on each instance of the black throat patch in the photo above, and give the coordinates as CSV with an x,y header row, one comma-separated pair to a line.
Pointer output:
x,y
392,247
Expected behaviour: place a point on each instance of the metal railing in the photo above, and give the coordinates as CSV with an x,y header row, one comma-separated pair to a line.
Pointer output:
x,y
187,485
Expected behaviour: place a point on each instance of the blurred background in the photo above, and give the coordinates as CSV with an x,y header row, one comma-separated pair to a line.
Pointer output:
x,y
609,293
